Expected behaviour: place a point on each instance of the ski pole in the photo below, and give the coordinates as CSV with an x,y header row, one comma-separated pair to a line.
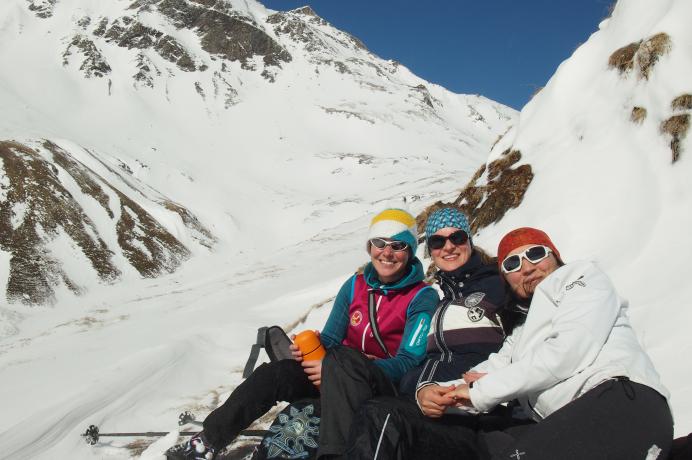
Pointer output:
x,y
92,434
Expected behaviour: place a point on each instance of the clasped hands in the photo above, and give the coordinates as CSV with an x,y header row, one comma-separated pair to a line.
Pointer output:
x,y
434,399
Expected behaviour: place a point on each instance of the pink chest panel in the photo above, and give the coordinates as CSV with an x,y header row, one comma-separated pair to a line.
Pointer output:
x,y
391,318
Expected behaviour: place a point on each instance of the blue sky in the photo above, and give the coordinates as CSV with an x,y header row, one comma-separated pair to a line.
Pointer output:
x,y
502,49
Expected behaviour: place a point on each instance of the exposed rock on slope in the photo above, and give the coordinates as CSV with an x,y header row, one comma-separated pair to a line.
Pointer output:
x,y
41,218
221,31
492,191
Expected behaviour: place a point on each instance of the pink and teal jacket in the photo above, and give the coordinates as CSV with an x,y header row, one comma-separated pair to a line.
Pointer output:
x,y
404,312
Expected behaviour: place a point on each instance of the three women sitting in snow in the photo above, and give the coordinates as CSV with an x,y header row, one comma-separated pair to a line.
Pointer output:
x,y
524,328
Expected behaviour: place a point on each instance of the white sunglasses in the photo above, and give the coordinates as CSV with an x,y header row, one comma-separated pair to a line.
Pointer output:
x,y
534,254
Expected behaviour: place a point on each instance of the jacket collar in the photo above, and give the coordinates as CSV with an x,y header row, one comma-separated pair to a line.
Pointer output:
x,y
414,275
452,281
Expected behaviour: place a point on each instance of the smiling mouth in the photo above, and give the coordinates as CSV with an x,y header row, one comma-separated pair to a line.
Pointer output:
x,y
387,262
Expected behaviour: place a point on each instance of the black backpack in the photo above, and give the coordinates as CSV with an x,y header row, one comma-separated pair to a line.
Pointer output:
x,y
274,341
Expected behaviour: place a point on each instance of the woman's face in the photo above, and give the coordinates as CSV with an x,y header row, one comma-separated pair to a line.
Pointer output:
x,y
389,264
450,256
524,281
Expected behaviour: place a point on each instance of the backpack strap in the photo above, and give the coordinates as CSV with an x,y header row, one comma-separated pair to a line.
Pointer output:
x,y
254,352
372,316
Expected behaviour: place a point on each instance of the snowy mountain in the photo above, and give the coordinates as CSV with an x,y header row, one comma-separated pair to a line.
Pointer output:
x,y
600,158
154,124
177,173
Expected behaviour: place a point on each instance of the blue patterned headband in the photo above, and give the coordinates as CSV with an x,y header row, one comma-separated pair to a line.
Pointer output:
x,y
446,217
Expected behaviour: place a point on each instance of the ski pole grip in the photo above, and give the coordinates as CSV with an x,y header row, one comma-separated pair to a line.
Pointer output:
x,y
310,346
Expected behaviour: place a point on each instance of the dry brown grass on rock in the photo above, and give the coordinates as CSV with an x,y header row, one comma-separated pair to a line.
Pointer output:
x,y
623,58
650,51
422,218
683,102
486,203
501,164
677,127
638,115
33,184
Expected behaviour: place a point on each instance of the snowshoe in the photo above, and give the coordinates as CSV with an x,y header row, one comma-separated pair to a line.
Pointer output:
x,y
197,448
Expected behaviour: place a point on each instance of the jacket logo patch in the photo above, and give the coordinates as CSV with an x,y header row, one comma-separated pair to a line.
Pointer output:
x,y
474,299
578,282
356,318
475,313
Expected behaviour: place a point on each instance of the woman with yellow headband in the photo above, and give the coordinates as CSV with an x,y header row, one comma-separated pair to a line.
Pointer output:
x,y
377,331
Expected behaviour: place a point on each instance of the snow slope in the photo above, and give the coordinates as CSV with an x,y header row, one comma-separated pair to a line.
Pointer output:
x,y
230,133
282,162
287,186
605,186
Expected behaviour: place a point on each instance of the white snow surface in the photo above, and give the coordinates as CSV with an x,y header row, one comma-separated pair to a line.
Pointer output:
x,y
286,176
288,186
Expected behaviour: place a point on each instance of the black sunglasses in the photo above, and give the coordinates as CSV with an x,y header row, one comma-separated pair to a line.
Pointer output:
x,y
457,238
396,245
534,254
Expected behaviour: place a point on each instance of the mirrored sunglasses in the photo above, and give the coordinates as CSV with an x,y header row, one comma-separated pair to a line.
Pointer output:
x,y
438,241
534,254
396,245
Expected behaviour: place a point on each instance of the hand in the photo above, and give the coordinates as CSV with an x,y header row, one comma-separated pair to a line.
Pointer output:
x,y
461,396
314,371
295,351
473,376
371,357
434,399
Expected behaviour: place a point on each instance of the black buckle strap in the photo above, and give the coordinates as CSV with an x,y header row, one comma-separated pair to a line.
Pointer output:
x,y
372,316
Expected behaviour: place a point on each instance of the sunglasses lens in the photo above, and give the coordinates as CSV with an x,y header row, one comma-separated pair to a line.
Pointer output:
x,y
511,263
436,241
398,245
458,238
378,243
536,254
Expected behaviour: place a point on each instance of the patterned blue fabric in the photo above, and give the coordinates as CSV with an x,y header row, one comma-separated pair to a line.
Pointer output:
x,y
294,435
446,217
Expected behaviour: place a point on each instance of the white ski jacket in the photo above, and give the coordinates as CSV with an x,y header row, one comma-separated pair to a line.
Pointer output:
x,y
577,334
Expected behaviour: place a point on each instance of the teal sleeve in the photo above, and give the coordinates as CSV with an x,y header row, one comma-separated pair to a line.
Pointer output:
x,y
334,331
414,341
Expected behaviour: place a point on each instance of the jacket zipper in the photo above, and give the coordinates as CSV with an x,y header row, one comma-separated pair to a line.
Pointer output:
x,y
439,339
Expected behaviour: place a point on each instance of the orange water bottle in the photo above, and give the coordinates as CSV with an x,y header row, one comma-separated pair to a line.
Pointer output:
x,y
310,346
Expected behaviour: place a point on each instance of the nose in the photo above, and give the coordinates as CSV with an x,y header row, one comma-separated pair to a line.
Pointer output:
x,y
527,266
388,250
449,246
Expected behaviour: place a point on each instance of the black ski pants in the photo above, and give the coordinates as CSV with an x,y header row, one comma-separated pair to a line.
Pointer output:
x,y
348,380
617,420
395,428
270,383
